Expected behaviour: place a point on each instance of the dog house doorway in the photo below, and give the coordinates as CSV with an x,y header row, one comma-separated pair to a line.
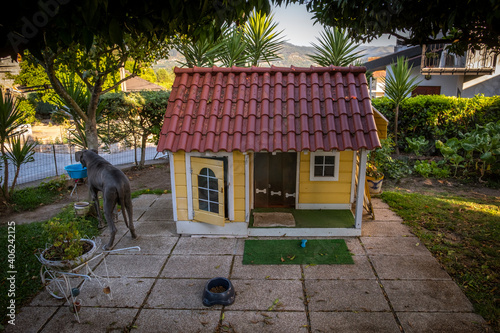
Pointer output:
x,y
275,179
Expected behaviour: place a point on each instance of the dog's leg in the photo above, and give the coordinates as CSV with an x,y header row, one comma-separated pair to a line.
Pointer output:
x,y
95,197
109,205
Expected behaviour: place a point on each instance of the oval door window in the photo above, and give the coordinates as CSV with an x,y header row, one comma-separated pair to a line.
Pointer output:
x,y
208,191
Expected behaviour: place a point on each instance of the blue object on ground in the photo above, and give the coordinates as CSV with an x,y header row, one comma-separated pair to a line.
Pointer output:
x,y
303,244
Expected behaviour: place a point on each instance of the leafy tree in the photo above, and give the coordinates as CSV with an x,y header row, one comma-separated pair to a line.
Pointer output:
x,y
335,48
459,23
398,85
94,38
140,115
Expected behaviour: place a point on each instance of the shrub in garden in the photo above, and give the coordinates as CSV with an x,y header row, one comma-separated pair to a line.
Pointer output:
x,y
438,117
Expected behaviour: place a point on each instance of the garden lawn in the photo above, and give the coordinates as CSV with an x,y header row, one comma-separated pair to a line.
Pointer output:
x,y
463,233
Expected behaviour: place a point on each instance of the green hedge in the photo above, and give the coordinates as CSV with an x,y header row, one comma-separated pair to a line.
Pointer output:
x,y
438,117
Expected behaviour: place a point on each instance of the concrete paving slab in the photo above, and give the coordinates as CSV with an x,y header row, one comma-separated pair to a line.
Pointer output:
x,y
386,215
157,213
144,201
265,321
374,229
30,319
426,296
394,246
378,203
264,272
260,295
178,294
128,265
43,299
91,320
354,246
415,322
353,322
148,244
126,293
408,267
361,270
208,246
157,228
197,267
176,321
345,295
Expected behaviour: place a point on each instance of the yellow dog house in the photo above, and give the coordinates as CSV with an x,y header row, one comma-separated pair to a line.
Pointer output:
x,y
244,139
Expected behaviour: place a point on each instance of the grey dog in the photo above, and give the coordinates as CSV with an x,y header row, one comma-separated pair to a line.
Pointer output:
x,y
115,188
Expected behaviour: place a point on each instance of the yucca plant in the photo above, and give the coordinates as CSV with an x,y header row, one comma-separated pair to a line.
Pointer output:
x,y
398,86
202,52
263,40
10,119
234,47
335,48
20,153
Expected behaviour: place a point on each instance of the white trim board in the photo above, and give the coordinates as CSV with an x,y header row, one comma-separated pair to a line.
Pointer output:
x,y
304,232
323,206
200,228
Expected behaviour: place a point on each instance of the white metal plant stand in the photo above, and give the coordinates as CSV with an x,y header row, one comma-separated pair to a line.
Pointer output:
x,y
68,284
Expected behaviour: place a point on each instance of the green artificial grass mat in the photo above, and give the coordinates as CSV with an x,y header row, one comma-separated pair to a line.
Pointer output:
x,y
290,252
313,218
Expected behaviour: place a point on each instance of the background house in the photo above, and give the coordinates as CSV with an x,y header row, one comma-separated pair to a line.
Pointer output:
x,y
474,72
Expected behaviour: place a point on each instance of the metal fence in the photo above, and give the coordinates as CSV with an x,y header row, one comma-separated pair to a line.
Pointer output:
x,y
50,161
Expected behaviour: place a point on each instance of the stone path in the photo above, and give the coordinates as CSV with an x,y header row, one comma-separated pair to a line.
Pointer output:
x,y
395,285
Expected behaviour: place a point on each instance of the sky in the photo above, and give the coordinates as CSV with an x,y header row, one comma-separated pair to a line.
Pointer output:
x,y
299,29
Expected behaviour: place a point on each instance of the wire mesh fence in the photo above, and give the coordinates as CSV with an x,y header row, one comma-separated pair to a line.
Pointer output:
x,y
50,160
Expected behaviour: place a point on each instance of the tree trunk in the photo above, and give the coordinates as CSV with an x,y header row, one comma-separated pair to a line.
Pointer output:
x,y
91,123
143,149
5,185
396,116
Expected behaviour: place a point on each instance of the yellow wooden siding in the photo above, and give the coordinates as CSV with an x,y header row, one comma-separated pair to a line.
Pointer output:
x,y
381,123
239,186
326,192
180,185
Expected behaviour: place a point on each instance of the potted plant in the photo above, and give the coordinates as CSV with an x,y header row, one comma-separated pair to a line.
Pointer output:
x,y
67,248
374,177
377,159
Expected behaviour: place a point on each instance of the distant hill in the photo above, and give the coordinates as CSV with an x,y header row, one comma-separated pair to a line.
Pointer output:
x,y
291,54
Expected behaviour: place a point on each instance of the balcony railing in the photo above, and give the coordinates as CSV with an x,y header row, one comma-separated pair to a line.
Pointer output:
x,y
436,60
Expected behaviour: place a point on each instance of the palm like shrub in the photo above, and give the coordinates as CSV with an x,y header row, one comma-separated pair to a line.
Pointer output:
x,y
398,86
335,48
263,40
10,119
20,153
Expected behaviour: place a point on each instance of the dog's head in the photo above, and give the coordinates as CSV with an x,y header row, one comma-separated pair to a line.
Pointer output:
x,y
80,156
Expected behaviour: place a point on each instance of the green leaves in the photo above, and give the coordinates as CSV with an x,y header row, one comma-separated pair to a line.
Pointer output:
x,y
399,82
335,48
263,39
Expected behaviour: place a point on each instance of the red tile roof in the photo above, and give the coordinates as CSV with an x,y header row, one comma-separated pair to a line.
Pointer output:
x,y
269,109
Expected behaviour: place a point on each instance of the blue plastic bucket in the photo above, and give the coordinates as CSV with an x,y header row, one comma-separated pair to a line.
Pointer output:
x,y
76,171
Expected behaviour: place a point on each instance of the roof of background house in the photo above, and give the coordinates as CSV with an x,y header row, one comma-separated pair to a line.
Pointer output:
x,y
413,54
137,84
269,109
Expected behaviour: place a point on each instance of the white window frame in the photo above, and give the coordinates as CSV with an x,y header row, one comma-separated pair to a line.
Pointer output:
x,y
313,155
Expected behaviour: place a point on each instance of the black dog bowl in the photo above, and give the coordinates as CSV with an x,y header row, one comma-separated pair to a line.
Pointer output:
x,y
218,290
